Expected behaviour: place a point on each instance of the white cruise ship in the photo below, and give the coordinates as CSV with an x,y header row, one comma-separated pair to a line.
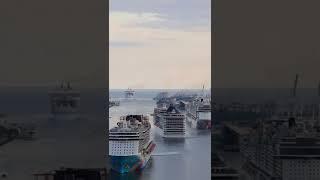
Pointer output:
x,y
65,102
130,146
199,113
169,123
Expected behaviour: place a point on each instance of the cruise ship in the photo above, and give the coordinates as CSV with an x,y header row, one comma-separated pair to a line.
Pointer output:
x,y
169,122
199,113
65,102
130,146
129,93
157,115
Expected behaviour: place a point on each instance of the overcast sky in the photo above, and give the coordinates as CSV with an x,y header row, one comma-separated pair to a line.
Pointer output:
x,y
160,44
263,44
43,42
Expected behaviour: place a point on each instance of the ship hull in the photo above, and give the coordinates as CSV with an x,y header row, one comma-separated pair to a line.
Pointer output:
x,y
168,136
125,164
198,124
203,124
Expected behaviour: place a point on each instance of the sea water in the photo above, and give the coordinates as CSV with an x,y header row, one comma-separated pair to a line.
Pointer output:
x,y
179,160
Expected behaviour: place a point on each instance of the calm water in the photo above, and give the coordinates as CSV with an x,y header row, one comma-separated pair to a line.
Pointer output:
x,y
189,159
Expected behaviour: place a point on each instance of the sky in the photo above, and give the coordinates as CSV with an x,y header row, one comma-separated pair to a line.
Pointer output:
x,y
45,42
160,44
264,44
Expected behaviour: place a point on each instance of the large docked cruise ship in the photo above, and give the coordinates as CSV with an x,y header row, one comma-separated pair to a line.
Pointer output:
x,y
65,102
130,146
169,122
199,113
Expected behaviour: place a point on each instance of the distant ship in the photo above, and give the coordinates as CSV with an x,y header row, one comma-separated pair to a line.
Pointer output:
x,y
169,122
129,93
199,113
65,102
130,146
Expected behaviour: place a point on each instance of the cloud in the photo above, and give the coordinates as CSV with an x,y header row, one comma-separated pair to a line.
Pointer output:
x,y
169,57
126,19
132,27
181,13
120,44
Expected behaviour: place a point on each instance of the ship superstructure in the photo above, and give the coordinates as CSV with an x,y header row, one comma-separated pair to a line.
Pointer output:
x,y
199,113
65,102
169,122
130,146
129,93
158,111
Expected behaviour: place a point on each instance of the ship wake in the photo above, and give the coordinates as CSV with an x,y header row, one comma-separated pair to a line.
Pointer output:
x,y
166,154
